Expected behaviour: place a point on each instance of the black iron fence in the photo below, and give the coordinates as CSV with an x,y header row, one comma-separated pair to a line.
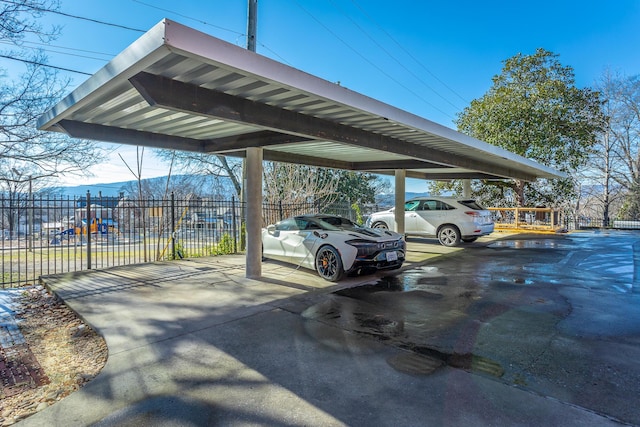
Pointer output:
x,y
585,223
548,219
44,235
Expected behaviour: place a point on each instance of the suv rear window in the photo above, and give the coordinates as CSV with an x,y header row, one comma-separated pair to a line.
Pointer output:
x,y
471,204
436,205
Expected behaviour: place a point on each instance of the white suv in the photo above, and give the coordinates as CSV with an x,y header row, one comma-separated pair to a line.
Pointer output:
x,y
450,219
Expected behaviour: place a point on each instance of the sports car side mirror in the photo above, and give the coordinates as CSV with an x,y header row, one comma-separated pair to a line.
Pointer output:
x,y
271,229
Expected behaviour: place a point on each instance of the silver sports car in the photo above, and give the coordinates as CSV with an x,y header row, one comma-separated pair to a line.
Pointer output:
x,y
332,245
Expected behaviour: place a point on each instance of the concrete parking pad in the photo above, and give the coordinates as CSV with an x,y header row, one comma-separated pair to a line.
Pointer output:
x,y
194,342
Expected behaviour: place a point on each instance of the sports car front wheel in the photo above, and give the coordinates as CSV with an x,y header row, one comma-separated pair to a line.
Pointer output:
x,y
329,264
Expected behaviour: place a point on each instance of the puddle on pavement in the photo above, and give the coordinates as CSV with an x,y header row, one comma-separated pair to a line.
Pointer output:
x,y
529,244
426,279
408,312
414,364
425,361
466,361
517,280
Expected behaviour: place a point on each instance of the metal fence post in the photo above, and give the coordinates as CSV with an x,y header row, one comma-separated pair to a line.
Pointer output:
x,y
88,216
173,226
635,287
234,225
30,217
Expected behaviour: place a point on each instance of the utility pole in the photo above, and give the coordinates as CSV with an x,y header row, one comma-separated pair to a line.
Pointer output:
x,y
252,24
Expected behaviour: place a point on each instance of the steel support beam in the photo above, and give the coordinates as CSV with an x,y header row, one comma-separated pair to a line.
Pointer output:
x,y
129,136
392,165
174,95
156,140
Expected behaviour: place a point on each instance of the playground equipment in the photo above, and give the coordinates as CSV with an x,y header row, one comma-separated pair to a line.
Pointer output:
x,y
100,222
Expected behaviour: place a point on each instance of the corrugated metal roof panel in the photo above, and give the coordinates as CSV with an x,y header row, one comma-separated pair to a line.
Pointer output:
x,y
358,129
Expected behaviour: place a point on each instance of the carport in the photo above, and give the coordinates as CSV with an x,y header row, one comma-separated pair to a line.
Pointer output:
x,y
178,88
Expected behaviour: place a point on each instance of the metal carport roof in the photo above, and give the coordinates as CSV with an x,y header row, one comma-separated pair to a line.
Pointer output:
x,y
178,88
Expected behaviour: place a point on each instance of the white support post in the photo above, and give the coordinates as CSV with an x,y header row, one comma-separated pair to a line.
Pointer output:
x,y
466,188
401,174
254,212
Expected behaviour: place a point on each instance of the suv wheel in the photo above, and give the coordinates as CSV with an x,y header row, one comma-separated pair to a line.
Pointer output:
x,y
449,235
381,225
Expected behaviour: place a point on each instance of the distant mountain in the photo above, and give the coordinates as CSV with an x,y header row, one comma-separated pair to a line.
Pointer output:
x,y
216,185
111,189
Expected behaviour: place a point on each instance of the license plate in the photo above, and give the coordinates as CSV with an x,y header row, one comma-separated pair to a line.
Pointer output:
x,y
392,256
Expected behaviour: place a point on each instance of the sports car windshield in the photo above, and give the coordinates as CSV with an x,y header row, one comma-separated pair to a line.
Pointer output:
x,y
315,224
348,225
328,223
340,223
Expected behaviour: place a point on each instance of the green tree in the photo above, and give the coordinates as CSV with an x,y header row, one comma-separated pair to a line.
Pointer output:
x,y
534,109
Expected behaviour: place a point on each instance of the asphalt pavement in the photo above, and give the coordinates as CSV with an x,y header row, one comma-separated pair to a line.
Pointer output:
x,y
513,330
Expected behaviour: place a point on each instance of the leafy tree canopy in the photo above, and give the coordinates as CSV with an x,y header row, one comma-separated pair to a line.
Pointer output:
x,y
535,110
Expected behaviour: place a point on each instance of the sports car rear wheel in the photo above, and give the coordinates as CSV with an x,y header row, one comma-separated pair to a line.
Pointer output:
x,y
329,264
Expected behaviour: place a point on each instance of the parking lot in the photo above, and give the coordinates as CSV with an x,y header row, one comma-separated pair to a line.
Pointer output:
x,y
509,330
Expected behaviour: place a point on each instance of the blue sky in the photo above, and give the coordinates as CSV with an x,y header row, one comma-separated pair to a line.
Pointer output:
x,y
426,57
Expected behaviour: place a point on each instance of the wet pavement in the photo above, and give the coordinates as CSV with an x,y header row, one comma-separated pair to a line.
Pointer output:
x,y
554,315
520,330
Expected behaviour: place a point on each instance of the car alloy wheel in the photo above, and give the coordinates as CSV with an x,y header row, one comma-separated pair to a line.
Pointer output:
x,y
449,235
380,225
329,264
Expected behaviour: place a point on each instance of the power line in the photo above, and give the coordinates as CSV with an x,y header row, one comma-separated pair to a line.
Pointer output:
x,y
56,51
275,54
74,16
26,61
373,64
407,52
189,17
392,56
110,55
113,25
173,12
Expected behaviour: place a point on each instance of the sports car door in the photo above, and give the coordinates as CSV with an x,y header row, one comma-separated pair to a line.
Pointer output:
x,y
287,243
